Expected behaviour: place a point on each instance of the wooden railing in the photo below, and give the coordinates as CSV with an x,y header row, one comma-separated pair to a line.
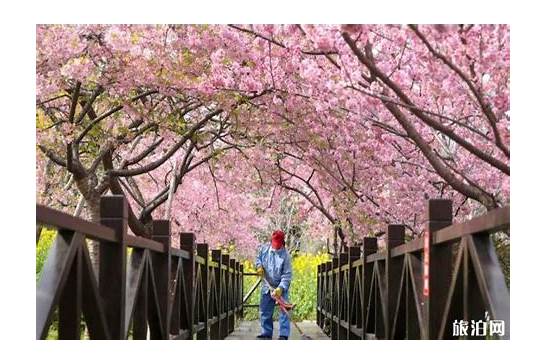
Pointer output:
x,y
144,288
253,288
420,289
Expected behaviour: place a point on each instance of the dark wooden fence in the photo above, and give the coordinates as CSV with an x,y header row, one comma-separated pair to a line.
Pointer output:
x,y
417,289
253,288
144,288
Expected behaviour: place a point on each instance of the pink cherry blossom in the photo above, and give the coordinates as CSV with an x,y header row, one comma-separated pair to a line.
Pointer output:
x,y
358,125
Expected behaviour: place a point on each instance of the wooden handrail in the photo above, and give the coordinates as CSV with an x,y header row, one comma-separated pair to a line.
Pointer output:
x,y
425,284
62,221
143,243
157,290
493,221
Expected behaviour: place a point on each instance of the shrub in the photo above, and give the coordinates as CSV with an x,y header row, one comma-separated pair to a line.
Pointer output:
x,y
42,248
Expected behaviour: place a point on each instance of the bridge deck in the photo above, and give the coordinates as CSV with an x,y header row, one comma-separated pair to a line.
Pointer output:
x,y
248,330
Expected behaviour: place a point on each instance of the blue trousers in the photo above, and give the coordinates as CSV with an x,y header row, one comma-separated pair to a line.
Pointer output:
x,y
267,306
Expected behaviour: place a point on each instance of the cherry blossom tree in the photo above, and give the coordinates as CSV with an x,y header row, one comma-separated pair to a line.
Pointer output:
x,y
211,125
425,109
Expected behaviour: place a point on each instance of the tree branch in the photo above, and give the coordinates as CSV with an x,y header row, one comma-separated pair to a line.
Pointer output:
x,y
74,103
486,108
422,116
107,114
88,104
153,165
54,157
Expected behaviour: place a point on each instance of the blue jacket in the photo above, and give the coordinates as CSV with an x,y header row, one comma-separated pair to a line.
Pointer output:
x,y
277,265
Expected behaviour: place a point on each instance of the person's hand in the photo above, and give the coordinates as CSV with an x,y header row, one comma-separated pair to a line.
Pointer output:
x,y
277,292
260,271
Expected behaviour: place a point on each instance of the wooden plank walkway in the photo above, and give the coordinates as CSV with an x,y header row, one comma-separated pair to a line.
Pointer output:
x,y
248,330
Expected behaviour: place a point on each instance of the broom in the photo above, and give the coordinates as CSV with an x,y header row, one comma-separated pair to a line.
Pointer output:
x,y
285,307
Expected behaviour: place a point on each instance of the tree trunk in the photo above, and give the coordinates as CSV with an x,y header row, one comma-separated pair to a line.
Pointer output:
x,y
93,211
91,200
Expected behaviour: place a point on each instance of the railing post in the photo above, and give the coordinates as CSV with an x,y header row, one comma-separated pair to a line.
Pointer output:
x,y
354,254
439,268
232,295
187,243
319,295
203,252
215,328
176,296
342,296
70,302
329,275
226,295
113,262
236,292
395,237
369,246
335,298
241,290
161,232
142,301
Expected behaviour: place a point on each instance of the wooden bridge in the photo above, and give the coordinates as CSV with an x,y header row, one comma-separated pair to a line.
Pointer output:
x,y
146,289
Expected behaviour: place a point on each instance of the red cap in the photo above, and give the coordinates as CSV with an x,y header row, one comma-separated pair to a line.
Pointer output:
x,y
277,239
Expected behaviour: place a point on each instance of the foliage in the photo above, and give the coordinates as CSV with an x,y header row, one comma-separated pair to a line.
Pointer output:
x,y
303,289
501,240
42,248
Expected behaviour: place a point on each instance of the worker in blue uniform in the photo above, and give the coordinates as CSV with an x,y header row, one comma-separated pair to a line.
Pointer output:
x,y
273,262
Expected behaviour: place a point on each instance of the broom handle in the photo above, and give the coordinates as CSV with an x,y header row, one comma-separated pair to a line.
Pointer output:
x,y
289,316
